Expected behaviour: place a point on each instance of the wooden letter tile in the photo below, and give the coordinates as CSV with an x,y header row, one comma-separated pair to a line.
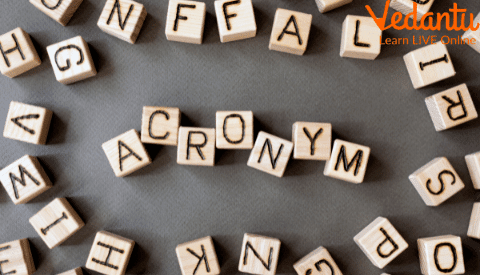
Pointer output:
x,y
312,140
428,65
406,7
381,242
76,271
19,54
270,154
16,258
196,146
328,5
473,164
56,222
360,38
473,35
290,31
24,179
259,255
316,261
198,257
185,21
59,10
27,123
441,255
436,181
110,254
160,125
234,129
451,107
235,19
348,161
71,60
474,226
126,153
122,19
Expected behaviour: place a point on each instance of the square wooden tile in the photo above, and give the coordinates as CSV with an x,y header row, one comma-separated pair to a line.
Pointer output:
x,y
290,31
59,10
473,164
316,261
348,161
18,52
198,257
160,125
259,255
185,21
16,258
441,255
360,38
270,154
234,129
235,19
312,140
196,146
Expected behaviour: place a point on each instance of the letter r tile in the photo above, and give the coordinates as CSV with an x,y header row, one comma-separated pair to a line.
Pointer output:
x,y
196,146
380,242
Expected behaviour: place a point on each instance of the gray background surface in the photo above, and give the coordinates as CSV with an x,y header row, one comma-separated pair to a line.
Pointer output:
x,y
372,103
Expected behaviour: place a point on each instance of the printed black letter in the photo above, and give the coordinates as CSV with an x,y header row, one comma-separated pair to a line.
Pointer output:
x,y
178,16
5,261
454,104
63,217
312,140
228,16
16,119
132,153
21,180
17,47
342,156
110,248
120,23
296,33
80,61
387,239
197,146
454,255
59,2
225,128
355,39
150,124
442,184
200,259
317,266
273,161
267,266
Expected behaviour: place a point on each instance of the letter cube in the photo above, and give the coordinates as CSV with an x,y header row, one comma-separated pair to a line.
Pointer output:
x,y
441,255
76,271
185,21
290,31
311,140
198,257
406,7
473,164
122,19
474,225
436,181
474,35
380,242
160,125
56,222
24,179
428,65
126,153
110,254
270,154
59,10
360,38
328,5
451,107
16,258
234,129
318,260
19,54
348,161
259,255
196,146
235,19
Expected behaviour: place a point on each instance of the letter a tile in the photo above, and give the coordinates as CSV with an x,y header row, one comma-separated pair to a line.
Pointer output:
x,y
259,255
441,255
348,161
270,154
290,31
198,257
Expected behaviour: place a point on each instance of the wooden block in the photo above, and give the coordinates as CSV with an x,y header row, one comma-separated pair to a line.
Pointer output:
x,y
259,255
290,31
441,255
406,7
198,257
126,153
270,154
235,19
474,35
24,179
185,21
234,129
196,146
122,19
71,60
428,65
59,10
436,181
474,225
451,107
360,38
380,242
473,164
76,271
312,140
16,258
110,254
56,222
328,5
160,125
19,54
316,261
27,123
354,158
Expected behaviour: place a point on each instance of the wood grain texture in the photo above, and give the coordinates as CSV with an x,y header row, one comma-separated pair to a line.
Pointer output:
x,y
35,180
241,26
348,161
360,40
189,29
110,254
474,35
76,271
131,25
160,125
237,127
436,181
316,262
473,164
380,242
56,222
259,255
474,225
18,257
406,7
270,154
60,11
436,255
21,60
295,22
312,140
328,5
196,146
126,153
203,260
